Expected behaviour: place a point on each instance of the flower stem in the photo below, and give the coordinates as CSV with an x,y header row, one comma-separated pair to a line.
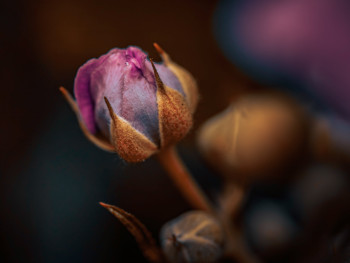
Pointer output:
x,y
231,203
183,180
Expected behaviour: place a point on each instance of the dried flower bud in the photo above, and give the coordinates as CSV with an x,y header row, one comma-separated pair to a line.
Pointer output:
x,y
254,136
192,237
128,104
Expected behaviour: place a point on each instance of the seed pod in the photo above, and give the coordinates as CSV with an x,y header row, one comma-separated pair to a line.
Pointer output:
x,y
254,136
192,237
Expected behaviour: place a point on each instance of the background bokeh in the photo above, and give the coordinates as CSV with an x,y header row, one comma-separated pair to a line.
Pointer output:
x,y
52,178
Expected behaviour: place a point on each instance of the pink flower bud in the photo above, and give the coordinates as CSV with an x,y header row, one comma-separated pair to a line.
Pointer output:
x,y
136,106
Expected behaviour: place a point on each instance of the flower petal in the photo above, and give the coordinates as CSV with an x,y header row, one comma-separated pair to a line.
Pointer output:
x,y
83,94
130,87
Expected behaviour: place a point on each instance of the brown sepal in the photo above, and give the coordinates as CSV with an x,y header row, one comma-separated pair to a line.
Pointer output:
x,y
187,81
175,118
97,139
130,144
142,235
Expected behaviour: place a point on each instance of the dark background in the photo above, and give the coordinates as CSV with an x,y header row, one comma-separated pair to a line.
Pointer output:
x,y
52,178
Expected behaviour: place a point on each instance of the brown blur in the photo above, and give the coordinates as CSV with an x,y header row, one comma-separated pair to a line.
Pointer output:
x,y
43,43
46,41
52,178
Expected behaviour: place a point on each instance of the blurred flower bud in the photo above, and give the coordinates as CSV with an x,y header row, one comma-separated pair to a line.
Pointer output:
x,y
318,186
256,135
270,228
306,40
192,237
128,104
330,139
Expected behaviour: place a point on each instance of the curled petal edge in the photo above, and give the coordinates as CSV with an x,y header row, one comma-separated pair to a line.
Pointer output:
x,y
99,140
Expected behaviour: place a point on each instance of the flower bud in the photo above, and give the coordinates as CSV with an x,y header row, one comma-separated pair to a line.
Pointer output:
x,y
254,136
128,104
192,237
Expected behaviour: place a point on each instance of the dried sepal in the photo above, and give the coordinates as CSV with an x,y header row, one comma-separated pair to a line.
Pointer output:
x,y
159,82
97,139
188,83
165,57
142,235
175,118
130,144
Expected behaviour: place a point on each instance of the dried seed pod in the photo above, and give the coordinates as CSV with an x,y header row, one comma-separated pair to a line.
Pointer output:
x,y
256,135
192,237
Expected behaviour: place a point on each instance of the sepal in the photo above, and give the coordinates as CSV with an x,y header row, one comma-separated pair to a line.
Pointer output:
x,y
130,144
